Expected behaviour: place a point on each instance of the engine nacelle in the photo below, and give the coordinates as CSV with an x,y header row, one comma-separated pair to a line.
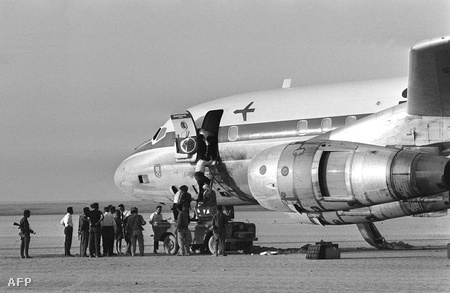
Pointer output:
x,y
337,175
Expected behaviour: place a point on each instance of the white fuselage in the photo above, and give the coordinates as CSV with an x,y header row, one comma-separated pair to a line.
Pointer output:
x,y
278,116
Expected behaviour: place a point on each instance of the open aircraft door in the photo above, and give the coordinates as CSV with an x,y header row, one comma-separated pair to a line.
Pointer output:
x,y
185,137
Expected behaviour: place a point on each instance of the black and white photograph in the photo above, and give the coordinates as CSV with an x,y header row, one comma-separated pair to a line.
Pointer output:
x,y
224,145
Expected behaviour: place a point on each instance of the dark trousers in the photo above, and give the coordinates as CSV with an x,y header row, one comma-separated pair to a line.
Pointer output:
x,y
68,231
128,243
94,241
24,245
138,237
108,240
219,242
84,242
175,211
155,240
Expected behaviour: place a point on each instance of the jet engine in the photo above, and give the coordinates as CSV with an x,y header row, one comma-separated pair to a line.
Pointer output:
x,y
337,175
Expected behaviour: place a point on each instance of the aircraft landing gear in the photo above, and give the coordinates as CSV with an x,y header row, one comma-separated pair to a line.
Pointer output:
x,y
372,236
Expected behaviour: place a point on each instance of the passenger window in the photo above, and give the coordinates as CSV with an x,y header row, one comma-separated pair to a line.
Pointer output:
x,y
350,119
326,124
302,127
159,135
233,133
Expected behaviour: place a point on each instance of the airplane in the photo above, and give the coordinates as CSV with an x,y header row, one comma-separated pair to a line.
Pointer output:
x,y
351,153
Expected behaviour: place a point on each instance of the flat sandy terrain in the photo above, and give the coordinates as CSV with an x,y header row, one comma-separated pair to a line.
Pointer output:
x,y
360,268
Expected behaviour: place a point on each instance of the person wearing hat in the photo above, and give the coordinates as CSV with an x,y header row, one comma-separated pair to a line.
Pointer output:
x,y
135,222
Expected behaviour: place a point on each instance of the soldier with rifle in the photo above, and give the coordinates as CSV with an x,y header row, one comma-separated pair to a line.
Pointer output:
x,y
24,234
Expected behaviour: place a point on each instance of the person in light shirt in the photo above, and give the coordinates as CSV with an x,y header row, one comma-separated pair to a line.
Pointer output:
x,y
154,218
176,201
125,213
109,228
68,231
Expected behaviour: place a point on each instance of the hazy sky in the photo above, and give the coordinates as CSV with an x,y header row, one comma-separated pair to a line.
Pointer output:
x,y
84,82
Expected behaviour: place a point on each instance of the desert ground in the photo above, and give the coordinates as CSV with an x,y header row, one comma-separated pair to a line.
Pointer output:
x,y
425,268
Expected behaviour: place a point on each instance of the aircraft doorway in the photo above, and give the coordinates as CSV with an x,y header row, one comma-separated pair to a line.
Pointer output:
x,y
209,133
211,122
207,148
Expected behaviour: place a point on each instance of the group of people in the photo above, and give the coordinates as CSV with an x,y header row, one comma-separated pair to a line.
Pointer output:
x,y
109,227
95,228
184,238
114,224
205,202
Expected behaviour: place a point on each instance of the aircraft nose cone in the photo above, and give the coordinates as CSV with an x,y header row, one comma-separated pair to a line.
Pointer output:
x,y
118,177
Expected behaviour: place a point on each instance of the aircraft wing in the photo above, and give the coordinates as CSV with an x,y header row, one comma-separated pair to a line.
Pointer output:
x,y
429,78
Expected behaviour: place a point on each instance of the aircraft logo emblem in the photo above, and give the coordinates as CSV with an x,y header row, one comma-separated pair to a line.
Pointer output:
x,y
245,111
158,173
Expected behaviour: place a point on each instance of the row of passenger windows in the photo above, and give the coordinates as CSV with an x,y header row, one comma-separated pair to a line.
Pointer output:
x,y
302,127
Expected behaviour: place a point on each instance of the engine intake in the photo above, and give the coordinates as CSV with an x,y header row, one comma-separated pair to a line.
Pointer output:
x,y
337,175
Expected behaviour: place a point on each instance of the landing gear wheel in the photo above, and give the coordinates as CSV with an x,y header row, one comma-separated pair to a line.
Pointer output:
x,y
170,244
211,244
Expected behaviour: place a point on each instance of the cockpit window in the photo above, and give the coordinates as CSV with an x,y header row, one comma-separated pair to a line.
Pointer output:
x,y
156,134
159,135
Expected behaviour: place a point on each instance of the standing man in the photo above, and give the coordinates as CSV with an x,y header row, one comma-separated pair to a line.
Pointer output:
x,y
219,224
108,230
185,197
126,235
83,231
176,201
124,212
25,231
209,196
68,231
96,217
135,222
154,218
183,233
118,236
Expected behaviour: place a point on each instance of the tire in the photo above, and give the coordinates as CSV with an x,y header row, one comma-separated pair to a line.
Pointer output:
x,y
170,244
211,244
